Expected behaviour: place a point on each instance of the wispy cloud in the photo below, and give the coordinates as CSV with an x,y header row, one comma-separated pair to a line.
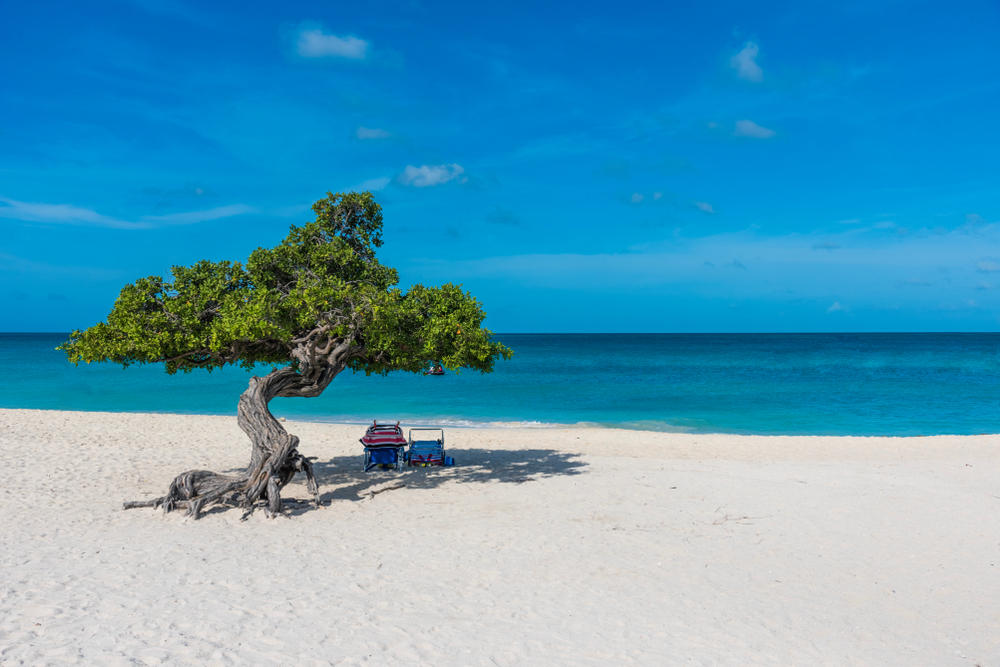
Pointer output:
x,y
745,63
315,43
988,266
636,198
374,184
193,217
428,175
369,133
703,206
826,245
67,214
748,128
864,272
836,308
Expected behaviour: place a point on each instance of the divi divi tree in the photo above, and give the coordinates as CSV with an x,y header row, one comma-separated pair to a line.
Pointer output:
x,y
312,307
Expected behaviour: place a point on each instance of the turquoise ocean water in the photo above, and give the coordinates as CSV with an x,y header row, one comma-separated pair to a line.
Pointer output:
x,y
829,384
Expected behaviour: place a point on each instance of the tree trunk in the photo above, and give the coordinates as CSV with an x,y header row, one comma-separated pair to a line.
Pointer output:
x,y
274,458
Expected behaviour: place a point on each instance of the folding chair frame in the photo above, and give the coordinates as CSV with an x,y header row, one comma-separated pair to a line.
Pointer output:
x,y
409,454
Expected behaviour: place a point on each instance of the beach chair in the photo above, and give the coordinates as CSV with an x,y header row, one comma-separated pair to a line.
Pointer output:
x,y
385,447
428,451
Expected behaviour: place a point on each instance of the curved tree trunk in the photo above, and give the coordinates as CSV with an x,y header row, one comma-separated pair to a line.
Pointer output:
x,y
274,459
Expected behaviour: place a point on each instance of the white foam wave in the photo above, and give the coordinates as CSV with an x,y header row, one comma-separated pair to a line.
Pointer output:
x,y
643,425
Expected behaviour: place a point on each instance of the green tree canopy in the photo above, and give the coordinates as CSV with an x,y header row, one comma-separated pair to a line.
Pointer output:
x,y
322,290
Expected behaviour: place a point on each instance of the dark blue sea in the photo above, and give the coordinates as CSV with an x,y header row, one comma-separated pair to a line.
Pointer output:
x,y
822,384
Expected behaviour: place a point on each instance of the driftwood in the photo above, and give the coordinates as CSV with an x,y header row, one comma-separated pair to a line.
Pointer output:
x,y
375,492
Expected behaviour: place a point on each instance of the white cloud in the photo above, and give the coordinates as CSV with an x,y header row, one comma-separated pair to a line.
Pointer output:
x,y
427,175
657,195
316,44
368,133
192,217
636,197
748,128
987,266
745,63
836,307
373,184
852,221
66,214
703,206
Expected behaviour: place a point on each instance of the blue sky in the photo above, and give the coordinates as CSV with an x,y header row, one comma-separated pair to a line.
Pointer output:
x,y
580,167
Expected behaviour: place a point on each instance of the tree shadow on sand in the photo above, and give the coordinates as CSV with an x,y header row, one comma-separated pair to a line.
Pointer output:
x,y
473,466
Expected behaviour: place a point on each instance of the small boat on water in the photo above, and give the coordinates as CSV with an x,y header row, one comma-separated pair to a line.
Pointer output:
x,y
434,369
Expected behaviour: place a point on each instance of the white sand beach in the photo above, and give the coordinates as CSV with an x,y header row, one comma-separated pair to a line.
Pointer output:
x,y
541,547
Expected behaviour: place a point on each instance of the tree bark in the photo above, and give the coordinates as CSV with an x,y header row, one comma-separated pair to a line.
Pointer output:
x,y
274,457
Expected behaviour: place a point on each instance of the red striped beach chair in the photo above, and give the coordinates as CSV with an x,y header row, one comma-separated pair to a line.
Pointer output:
x,y
385,447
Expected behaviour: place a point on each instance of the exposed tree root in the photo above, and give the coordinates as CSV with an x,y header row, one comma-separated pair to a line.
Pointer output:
x,y
274,459
196,490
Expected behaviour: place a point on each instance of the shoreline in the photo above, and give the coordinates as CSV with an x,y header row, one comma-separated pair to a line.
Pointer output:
x,y
541,547
462,424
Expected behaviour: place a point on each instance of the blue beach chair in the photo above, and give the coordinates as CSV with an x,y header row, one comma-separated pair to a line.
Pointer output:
x,y
428,451
385,447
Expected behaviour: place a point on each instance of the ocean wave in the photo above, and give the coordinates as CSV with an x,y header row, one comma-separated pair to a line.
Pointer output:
x,y
634,425
424,422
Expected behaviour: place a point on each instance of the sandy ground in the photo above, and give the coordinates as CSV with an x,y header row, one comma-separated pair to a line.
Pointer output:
x,y
541,547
